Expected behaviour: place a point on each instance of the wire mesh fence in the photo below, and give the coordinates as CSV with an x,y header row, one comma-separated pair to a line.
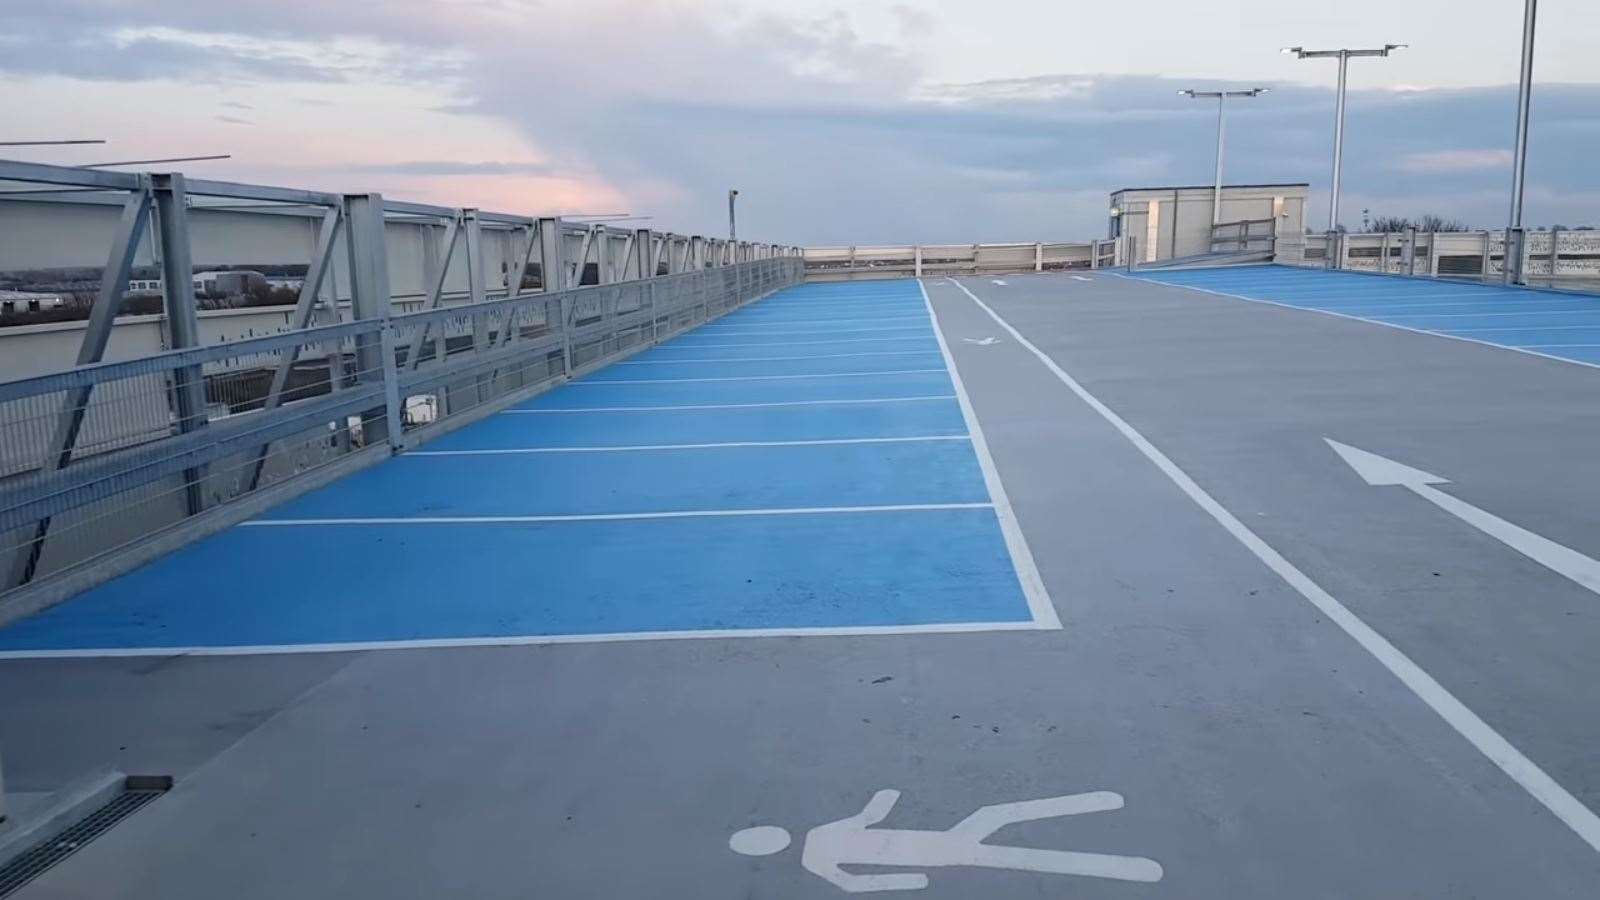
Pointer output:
x,y
105,456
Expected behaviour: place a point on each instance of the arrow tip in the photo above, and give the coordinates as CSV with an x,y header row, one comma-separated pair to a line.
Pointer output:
x,y
1378,470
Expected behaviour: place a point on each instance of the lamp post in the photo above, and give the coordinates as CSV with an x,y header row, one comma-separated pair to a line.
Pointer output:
x,y
1519,166
733,231
1222,100
1343,56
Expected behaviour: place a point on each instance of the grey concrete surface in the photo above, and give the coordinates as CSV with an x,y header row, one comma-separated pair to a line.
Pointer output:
x,y
1261,752
1241,396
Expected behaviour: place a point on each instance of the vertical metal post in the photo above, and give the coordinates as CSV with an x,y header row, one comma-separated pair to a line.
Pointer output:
x,y
1338,142
1555,251
1216,196
370,301
552,267
178,304
1411,250
917,257
733,230
553,276
1519,165
1038,257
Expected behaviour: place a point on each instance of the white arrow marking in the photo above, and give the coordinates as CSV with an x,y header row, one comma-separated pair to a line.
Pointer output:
x,y
999,282
853,841
988,341
1081,278
1378,471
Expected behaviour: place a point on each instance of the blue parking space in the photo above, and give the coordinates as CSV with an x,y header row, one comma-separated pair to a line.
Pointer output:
x,y
1564,326
800,464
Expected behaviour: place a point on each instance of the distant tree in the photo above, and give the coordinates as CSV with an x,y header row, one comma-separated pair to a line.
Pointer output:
x,y
1429,222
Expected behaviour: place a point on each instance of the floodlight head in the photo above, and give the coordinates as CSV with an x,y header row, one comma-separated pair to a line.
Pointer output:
x,y
1186,93
1390,48
1292,51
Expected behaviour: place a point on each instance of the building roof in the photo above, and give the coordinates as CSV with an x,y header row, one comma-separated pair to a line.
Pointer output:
x,y
1207,187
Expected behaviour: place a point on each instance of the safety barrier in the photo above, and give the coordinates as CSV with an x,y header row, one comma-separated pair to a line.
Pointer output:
x,y
937,260
1558,257
110,463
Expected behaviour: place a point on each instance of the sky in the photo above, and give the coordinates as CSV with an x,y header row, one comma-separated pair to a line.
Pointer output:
x,y
840,123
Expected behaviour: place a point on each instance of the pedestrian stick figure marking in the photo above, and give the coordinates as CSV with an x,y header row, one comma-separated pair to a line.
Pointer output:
x,y
853,841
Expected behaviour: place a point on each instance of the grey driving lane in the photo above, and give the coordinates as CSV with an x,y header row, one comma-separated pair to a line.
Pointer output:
x,y
1260,751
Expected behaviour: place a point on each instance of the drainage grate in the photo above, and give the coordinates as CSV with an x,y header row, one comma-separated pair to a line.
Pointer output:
x,y
137,791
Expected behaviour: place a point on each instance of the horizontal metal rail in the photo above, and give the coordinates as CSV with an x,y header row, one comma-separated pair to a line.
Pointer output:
x,y
104,462
917,260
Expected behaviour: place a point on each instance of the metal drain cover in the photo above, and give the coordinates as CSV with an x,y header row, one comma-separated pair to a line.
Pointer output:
x,y
137,790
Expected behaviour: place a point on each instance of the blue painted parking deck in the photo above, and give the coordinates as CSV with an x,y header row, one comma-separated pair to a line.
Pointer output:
x,y
1559,325
800,465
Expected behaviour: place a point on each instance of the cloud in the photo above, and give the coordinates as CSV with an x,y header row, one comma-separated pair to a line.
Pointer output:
x,y
1436,161
457,167
831,137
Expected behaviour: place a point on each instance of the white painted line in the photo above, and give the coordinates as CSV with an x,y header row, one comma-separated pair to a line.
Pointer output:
x,y
1479,733
612,517
526,640
1474,315
731,322
1038,597
1381,471
662,362
1081,278
629,448
757,377
891,340
998,281
1594,326
761,329
1324,312
606,409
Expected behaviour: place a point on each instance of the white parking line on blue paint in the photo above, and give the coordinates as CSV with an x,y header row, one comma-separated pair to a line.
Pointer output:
x,y
1312,290
755,377
848,402
636,448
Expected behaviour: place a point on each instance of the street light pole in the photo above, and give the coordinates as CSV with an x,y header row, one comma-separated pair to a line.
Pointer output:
x,y
1343,56
1222,99
733,231
1519,165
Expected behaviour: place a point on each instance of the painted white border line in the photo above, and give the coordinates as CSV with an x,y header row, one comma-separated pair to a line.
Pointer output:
x,y
600,409
663,362
827,320
758,377
1479,733
614,517
1033,589
527,640
1347,316
629,448
670,344
747,330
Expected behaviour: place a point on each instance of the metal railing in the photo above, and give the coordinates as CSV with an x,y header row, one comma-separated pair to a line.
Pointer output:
x,y
933,260
110,463
1245,236
1557,258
